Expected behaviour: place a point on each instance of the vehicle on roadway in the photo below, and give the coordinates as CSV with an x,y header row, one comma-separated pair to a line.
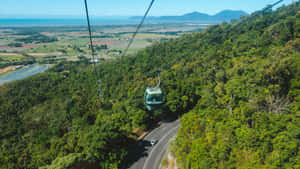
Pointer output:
x,y
153,142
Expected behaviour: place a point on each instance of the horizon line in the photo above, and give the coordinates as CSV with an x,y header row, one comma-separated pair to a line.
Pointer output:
x,y
49,16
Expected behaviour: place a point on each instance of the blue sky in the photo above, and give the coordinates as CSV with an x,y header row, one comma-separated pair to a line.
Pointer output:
x,y
61,8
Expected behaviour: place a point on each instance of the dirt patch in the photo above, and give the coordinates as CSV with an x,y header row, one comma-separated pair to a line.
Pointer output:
x,y
169,162
44,54
29,46
139,133
9,68
107,43
25,46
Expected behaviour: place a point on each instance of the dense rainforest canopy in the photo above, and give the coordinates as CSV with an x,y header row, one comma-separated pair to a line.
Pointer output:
x,y
240,95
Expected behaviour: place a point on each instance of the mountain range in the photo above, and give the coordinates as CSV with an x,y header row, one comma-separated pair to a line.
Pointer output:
x,y
225,15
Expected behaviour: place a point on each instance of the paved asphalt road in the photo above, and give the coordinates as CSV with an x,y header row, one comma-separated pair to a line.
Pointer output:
x,y
145,156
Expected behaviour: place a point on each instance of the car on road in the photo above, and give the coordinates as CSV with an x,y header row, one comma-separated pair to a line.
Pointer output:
x,y
153,142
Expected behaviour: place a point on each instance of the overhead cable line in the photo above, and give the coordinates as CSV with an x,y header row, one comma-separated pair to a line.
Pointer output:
x,y
90,34
138,28
92,49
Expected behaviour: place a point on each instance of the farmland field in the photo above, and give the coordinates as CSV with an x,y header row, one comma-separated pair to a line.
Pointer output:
x,y
21,44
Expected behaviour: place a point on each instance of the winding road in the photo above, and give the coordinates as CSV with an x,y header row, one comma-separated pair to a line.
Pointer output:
x,y
145,156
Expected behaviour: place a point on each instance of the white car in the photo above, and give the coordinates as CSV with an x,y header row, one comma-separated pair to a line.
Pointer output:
x,y
153,142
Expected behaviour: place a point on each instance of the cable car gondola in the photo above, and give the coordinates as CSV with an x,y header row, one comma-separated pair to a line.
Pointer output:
x,y
153,97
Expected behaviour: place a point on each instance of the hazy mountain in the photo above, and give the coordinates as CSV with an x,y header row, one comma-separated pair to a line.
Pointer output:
x,y
188,16
226,15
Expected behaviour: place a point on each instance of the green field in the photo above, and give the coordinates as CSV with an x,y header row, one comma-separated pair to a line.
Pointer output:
x,y
23,43
11,56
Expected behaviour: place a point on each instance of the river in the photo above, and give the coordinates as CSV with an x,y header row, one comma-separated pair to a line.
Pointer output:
x,y
23,73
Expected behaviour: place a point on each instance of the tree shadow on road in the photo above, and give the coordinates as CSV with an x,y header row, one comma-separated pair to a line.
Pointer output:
x,y
136,151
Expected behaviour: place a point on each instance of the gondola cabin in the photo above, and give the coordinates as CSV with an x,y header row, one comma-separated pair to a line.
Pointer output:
x,y
153,98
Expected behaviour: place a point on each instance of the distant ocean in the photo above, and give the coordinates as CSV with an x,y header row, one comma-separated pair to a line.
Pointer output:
x,y
62,22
